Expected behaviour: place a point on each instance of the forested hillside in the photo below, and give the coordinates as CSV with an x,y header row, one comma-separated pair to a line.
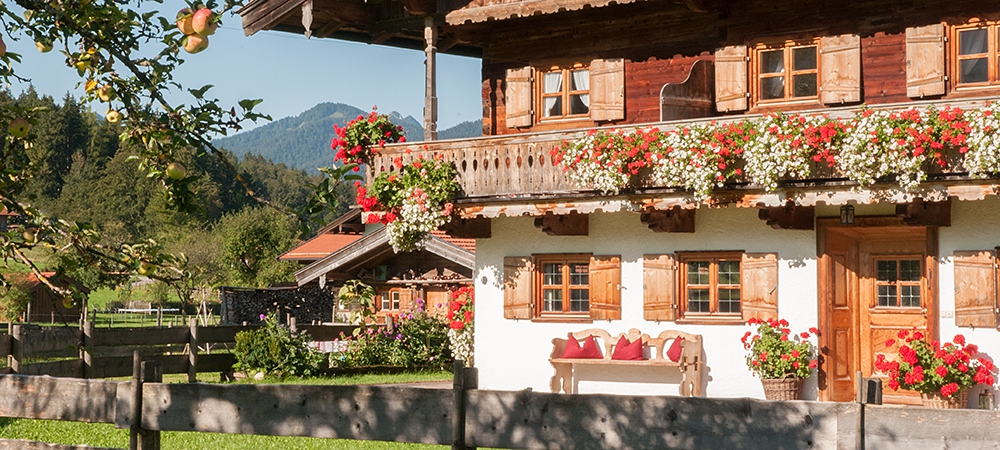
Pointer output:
x,y
303,141
87,174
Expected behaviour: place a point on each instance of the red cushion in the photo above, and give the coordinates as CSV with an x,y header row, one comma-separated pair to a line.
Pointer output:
x,y
627,350
589,349
674,352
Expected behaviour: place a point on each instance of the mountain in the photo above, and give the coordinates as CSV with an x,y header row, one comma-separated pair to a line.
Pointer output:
x,y
303,141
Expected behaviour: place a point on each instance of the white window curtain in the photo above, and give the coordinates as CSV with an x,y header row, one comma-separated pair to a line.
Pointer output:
x,y
553,82
581,82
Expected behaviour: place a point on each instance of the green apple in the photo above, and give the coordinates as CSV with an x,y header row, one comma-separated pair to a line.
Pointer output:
x,y
67,303
195,43
113,116
43,46
19,127
146,269
184,17
176,171
28,234
106,93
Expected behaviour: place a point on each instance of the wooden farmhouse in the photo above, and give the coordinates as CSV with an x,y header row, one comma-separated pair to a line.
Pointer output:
x,y
340,252
858,245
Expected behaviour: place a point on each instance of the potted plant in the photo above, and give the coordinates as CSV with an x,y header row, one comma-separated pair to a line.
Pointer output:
x,y
941,372
782,360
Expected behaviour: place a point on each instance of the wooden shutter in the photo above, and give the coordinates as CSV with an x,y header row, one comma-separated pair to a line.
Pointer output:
x,y
517,97
759,285
405,299
975,288
840,61
605,287
659,287
607,89
925,61
518,273
731,78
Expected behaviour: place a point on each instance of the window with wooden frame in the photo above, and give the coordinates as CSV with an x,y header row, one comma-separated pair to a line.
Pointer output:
x,y
564,92
786,71
975,51
898,282
389,300
711,284
562,287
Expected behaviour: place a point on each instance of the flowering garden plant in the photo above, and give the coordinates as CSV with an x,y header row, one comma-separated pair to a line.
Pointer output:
x,y
870,147
461,311
933,367
776,353
414,199
355,142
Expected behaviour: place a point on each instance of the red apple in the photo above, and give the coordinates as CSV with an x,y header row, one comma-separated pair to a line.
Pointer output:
x,y
203,23
184,21
3,47
176,171
195,43
19,127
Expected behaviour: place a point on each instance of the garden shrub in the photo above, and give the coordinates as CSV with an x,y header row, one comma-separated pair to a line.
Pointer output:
x,y
419,339
275,349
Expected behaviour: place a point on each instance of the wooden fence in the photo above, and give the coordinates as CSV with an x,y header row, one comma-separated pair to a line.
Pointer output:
x,y
466,417
108,352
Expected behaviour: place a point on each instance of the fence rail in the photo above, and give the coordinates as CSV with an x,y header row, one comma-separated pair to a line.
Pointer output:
x,y
105,353
522,419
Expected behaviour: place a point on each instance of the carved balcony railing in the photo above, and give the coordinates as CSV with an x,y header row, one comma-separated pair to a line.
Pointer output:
x,y
522,166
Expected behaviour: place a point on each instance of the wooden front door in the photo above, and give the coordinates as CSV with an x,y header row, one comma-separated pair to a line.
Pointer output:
x,y
877,277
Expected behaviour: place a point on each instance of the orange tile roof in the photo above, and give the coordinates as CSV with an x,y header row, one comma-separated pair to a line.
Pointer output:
x,y
319,246
468,244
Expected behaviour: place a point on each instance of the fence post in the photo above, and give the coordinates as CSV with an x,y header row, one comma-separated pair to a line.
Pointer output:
x,y
464,379
88,350
293,324
16,349
152,372
136,413
193,350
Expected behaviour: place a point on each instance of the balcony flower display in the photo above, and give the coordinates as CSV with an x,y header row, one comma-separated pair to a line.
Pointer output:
x,y
355,143
868,148
941,372
781,359
414,199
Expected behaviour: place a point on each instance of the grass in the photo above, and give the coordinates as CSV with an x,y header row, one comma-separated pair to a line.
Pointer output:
x,y
106,435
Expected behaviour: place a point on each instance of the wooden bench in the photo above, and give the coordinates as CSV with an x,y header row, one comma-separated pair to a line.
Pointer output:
x,y
690,362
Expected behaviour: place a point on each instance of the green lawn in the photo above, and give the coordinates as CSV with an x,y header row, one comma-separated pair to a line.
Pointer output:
x,y
106,435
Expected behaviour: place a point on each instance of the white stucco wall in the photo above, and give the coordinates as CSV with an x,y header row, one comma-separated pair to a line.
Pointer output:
x,y
512,354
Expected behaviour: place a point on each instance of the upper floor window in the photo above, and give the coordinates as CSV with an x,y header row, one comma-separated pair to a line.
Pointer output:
x,y
390,300
564,92
787,71
977,55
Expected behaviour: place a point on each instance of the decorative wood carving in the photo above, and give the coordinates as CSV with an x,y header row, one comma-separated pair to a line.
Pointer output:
x,y
476,228
789,217
674,220
572,224
928,214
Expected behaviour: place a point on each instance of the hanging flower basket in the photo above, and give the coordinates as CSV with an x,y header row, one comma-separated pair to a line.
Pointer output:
x,y
783,388
938,401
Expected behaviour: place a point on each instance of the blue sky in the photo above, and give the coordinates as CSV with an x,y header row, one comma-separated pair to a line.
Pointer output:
x,y
293,74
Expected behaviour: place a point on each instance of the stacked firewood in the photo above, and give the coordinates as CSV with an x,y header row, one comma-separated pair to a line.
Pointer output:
x,y
306,305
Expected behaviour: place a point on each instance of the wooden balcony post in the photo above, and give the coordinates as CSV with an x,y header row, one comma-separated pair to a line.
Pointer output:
x,y
430,88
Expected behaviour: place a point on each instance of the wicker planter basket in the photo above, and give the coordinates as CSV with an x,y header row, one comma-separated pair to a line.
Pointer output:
x,y
936,400
783,388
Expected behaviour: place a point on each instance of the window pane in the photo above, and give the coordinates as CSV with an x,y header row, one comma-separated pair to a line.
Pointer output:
x,y
887,271
772,88
973,71
579,300
887,295
698,273
552,274
729,272
909,270
553,82
579,104
772,61
909,296
579,275
579,80
552,107
729,300
972,42
804,58
395,300
698,300
386,303
804,85
552,300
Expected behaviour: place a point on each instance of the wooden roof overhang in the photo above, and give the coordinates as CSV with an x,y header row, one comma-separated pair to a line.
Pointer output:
x,y
373,247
